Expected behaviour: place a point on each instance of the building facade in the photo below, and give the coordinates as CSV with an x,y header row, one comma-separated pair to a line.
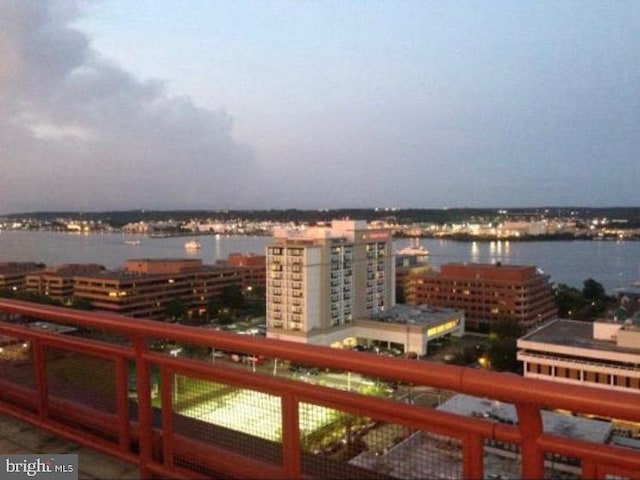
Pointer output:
x,y
57,282
254,270
603,354
145,287
13,275
321,278
488,294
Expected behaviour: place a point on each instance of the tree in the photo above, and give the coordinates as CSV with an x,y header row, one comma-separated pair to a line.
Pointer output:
x,y
503,354
502,351
587,304
176,310
214,306
593,290
467,355
232,297
568,300
81,303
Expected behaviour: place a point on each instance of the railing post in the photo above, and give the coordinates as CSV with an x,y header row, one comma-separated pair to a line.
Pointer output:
x,y
530,424
290,437
122,402
473,457
40,376
145,427
588,468
167,378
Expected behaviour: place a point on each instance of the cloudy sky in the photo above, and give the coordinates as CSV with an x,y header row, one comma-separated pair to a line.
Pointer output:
x,y
216,104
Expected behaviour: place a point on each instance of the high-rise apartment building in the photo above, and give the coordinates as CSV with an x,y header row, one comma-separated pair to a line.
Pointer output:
x,y
488,294
320,278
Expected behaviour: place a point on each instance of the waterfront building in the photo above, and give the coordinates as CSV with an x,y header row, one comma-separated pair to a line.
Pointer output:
x,y
254,270
488,294
13,275
57,282
320,278
145,287
603,354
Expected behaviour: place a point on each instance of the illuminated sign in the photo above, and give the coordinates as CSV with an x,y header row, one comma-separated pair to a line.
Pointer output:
x,y
443,327
376,236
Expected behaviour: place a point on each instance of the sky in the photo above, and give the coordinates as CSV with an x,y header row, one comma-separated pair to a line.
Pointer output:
x,y
217,104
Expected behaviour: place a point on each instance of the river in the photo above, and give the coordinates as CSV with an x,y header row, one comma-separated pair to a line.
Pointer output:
x,y
611,263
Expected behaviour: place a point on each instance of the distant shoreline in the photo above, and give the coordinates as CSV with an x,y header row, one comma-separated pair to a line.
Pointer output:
x,y
456,237
463,237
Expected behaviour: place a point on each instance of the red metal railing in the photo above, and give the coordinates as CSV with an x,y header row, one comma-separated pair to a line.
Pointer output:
x,y
198,425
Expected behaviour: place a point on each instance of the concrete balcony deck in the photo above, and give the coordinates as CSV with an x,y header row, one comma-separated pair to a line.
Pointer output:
x,y
18,437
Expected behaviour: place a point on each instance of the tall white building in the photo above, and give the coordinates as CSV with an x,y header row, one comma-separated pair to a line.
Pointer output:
x,y
319,279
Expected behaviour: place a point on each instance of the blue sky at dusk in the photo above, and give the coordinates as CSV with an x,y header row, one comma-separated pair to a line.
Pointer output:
x,y
115,104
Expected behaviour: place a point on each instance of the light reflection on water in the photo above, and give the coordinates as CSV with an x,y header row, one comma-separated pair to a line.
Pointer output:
x,y
612,263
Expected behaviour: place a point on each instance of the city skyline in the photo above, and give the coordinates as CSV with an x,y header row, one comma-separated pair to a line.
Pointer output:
x,y
217,105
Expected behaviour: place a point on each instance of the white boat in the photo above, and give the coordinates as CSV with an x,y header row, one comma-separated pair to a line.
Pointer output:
x,y
192,245
132,242
414,250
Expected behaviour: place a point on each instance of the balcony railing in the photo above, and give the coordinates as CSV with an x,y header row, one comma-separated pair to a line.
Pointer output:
x,y
110,386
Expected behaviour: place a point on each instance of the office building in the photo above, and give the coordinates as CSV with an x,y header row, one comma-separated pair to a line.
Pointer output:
x,y
13,275
254,270
603,354
488,294
57,282
145,287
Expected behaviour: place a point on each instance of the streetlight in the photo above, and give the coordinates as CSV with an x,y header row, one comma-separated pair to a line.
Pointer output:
x,y
174,353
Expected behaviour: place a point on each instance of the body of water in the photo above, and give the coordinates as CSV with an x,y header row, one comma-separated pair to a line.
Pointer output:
x,y
613,264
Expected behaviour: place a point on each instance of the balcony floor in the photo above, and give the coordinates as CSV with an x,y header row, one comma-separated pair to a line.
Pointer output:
x,y
17,437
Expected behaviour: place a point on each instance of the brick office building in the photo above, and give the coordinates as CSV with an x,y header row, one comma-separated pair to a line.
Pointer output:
x,y
57,282
488,294
13,275
145,287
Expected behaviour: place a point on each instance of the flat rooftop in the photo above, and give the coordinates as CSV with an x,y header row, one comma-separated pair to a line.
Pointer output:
x,y
573,333
597,431
414,315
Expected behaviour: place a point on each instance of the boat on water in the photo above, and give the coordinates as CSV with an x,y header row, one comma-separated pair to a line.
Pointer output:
x,y
132,242
192,245
414,250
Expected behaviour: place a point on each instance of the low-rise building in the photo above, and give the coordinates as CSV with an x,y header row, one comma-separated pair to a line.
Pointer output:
x,y
146,287
13,275
57,282
603,354
254,270
402,328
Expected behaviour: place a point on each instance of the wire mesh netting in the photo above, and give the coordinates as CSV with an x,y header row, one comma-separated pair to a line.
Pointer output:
x,y
244,421
16,362
338,444
83,379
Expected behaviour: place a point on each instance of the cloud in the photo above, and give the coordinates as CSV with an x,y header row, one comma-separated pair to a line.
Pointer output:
x,y
78,132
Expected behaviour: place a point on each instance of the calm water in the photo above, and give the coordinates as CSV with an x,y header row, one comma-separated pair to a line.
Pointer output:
x,y
613,264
